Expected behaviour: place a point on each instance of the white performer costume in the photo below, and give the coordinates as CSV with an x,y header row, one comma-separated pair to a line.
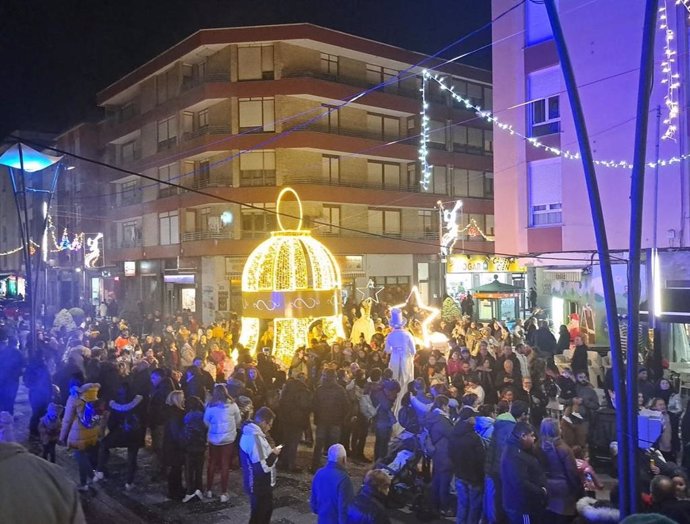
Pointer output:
x,y
364,324
400,346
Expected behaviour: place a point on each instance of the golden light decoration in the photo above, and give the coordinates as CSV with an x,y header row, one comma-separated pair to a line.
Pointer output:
x,y
293,280
434,312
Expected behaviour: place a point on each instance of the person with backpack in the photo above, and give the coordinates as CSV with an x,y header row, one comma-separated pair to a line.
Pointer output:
x,y
195,447
126,430
81,427
223,418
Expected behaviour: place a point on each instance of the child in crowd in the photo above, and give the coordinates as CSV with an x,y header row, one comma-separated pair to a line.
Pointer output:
x,y
49,430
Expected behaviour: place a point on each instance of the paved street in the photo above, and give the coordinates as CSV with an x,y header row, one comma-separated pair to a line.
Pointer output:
x,y
147,502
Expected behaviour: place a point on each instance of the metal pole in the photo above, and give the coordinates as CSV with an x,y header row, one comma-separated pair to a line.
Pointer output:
x,y
651,299
441,277
602,248
644,90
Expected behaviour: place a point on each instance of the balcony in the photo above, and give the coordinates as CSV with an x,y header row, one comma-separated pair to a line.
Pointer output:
x,y
194,81
203,180
129,243
394,89
168,191
164,145
414,234
131,198
194,236
206,130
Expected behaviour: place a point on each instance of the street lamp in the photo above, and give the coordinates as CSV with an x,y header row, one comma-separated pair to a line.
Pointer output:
x,y
21,160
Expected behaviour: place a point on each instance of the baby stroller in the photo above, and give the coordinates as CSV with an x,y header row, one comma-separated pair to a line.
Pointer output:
x,y
403,466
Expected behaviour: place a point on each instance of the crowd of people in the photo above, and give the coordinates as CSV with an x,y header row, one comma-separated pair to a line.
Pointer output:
x,y
497,431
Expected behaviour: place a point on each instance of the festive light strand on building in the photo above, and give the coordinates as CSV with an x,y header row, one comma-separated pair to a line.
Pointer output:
x,y
426,169
685,4
669,77
535,142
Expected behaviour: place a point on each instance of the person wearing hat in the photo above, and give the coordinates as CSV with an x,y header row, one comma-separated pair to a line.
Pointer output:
x,y
467,455
401,348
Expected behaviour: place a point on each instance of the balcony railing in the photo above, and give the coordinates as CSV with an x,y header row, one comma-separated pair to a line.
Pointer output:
x,y
194,81
206,130
129,243
407,91
192,236
131,198
164,145
201,180
168,191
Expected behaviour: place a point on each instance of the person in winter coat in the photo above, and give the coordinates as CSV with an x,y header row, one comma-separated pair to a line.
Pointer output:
x,y
223,419
157,413
440,429
37,379
545,342
580,360
193,384
467,456
368,507
331,406
126,430
523,478
384,420
49,430
11,365
563,339
34,490
81,427
562,479
293,413
331,488
195,447
258,461
174,443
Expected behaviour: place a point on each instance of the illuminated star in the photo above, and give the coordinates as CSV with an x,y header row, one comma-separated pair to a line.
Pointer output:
x,y
433,313
366,291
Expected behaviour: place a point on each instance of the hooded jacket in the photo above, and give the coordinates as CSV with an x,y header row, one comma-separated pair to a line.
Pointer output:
x,y
77,435
524,481
257,460
39,490
502,428
592,511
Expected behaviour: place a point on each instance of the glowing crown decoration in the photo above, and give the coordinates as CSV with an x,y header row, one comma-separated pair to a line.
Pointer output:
x,y
293,280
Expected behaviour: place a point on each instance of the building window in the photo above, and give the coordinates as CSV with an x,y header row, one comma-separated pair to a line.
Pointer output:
x,y
545,193
329,65
437,134
472,140
257,114
428,219
374,74
438,183
256,222
167,132
168,173
130,193
478,95
166,85
470,183
383,175
131,234
383,127
255,62
412,177
332,118
489,225
258,168
202,118
543,88
169,228
384,221
377,75
128,151
331,216
330,168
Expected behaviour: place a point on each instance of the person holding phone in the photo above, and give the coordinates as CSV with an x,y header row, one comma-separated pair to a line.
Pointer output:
x,y
258,462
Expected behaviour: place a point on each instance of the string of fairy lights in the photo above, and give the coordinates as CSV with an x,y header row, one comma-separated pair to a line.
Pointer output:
x,y
669,74
65,244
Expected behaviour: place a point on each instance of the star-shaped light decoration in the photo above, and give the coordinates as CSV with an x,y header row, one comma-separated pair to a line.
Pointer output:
x,y
426,323
366,292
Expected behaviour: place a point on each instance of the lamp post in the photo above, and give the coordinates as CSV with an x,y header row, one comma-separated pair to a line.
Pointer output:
x,y
20,161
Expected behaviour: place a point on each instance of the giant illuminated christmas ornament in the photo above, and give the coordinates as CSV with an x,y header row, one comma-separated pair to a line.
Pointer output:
x,y
293,280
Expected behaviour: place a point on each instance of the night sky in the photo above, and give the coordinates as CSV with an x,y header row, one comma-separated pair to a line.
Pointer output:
x,y
57,54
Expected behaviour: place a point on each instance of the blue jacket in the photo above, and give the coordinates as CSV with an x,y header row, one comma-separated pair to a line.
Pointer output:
x,y
503,427
331,493
440,429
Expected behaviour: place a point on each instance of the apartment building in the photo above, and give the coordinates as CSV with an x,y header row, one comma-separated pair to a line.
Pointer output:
x,y
541,201
239,113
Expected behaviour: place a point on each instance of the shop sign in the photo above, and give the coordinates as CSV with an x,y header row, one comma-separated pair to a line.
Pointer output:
x,y
130,268
483,264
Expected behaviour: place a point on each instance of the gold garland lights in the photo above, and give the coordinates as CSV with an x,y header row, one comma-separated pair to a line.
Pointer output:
x,y
292,280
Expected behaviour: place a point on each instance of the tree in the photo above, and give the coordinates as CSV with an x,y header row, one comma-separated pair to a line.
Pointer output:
x,y
450,310
64,319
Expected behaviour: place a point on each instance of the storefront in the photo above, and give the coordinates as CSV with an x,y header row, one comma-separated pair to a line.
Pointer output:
x,y
12,286
467,273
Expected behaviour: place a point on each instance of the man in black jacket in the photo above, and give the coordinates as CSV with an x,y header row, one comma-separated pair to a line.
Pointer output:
x,y
467,455
157,411
331,406
524,480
